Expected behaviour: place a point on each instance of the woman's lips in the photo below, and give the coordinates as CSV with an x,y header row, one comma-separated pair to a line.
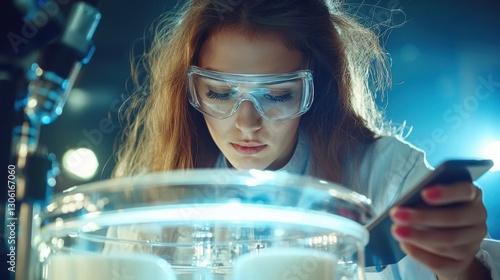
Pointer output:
x,y
248,148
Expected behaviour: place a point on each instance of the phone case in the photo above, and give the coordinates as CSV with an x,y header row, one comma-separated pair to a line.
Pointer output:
x,y
382,248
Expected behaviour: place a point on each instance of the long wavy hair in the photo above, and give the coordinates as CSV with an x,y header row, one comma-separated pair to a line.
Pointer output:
x,y
164,132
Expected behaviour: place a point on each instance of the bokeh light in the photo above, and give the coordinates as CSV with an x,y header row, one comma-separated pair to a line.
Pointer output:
x,y
80,163
492,151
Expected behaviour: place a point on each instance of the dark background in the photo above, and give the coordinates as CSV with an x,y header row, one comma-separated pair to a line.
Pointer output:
x,y
446,74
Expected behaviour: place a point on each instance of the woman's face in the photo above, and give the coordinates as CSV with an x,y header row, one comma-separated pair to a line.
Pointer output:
x,y
246,139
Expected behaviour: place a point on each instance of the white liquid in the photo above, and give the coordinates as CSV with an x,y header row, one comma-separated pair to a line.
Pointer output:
x,y
107,267
286,264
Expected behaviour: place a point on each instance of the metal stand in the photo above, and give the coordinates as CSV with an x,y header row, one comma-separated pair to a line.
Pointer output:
x,y
31,95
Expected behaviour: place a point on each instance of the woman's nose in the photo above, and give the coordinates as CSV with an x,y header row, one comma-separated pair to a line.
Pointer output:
x,y
248,118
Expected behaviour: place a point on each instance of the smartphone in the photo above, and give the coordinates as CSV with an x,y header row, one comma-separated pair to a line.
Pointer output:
x,y
383,249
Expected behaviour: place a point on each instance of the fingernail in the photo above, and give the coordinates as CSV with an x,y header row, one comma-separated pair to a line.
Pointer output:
x,y
401,215
402,232
432,194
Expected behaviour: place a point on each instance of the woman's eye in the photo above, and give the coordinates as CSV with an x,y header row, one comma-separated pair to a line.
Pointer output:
x,y
219,96
279,98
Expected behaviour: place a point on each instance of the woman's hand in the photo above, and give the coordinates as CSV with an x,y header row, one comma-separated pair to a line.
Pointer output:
x,y
445,236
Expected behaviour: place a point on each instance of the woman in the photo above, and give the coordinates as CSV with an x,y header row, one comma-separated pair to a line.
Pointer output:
x,y
317,117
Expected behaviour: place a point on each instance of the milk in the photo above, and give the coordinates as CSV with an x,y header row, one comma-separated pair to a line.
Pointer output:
x,y
107,267
286,264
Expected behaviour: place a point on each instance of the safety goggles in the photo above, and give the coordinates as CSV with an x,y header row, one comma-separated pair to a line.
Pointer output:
x,y
277,97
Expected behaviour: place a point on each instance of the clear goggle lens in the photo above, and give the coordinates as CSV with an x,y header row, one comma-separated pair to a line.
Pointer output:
x,y
276,97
